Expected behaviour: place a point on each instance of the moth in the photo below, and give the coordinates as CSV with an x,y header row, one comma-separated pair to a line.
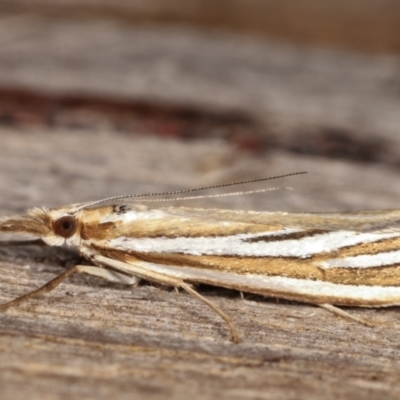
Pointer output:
x,y
326,259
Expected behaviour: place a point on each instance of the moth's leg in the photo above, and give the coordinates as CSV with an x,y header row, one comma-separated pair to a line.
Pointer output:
x,y
111,276
107,274
139,270
44,289
225,317
344,314
33,242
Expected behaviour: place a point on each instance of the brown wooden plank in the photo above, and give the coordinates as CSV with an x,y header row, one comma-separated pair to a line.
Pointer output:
x,y
96,340
90,339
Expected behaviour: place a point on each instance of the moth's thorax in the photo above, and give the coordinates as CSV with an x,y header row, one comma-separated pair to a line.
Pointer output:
x,y
107,223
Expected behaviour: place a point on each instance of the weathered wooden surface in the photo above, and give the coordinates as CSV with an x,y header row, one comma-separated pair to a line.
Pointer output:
x,y
90,339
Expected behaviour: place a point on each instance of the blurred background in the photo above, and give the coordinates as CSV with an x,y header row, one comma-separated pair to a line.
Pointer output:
x,y
101,97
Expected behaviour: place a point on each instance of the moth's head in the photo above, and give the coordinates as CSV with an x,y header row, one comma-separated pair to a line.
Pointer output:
x,y
72,224
55,227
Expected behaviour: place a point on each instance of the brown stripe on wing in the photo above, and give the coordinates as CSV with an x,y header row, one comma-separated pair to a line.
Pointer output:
x,y
269,266
170,229
286,236
369,248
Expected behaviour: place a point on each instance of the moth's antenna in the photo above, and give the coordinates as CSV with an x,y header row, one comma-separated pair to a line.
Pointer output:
x,y
209,196
130,196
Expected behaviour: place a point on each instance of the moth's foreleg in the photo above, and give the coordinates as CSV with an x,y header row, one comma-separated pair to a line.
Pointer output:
x,y
42,290
108,275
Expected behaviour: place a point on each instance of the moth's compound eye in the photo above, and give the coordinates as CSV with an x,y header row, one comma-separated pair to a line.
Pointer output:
x,y
65,226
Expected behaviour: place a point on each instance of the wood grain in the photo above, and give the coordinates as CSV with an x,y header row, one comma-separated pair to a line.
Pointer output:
x,y
91,339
